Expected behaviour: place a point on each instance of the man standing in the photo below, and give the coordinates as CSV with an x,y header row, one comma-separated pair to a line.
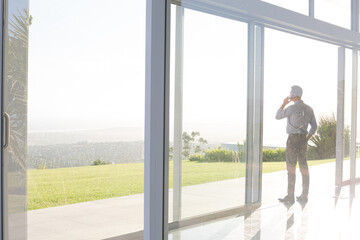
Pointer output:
x,y
299,116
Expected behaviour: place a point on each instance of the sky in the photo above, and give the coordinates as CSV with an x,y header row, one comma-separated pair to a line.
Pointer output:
x,y
87,70
86,64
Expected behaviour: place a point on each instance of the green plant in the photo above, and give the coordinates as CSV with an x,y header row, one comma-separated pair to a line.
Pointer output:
x,y
219,155
190,141
201,142
171,153
323,143
240,156
15,79
187,139
42,166
99,162
274,155
196,157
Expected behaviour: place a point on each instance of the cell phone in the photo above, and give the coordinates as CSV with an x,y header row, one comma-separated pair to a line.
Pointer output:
x,y
291,96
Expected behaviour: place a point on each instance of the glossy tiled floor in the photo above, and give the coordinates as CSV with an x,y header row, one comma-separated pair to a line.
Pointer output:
x,y
329,214
325,216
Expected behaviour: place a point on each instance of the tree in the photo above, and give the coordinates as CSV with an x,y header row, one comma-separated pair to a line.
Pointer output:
x,y
201,143
171,153
99,162
187,139
323,143
15,73
192,139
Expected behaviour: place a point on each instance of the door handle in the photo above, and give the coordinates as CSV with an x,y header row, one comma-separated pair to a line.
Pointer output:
x,y
6,130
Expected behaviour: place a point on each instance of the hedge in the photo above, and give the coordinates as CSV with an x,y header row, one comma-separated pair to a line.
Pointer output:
x,y
274,155
196,157
213,155
219,155
223,155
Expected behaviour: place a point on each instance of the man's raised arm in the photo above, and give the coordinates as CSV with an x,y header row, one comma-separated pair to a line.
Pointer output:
x,y
283,113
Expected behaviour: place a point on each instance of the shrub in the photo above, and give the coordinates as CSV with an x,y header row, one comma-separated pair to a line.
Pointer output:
x,y
240,156
223,155
219,155
274,155
323,143
196,157
99,162
42,166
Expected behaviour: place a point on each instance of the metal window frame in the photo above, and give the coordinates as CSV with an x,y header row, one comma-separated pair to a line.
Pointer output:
x,y
354,91
156,119
355,56
340,118
178,113
2,34
311,8
254,12
355,18
258,114
355,15
157,82
250,115
272,16
255,98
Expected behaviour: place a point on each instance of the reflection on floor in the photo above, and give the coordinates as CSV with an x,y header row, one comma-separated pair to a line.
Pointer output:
x,y
331,215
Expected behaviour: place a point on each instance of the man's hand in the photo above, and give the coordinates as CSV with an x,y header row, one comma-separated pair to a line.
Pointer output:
x,y
285,102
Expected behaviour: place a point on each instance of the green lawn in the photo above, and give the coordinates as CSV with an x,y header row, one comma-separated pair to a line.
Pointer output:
x,y
55,187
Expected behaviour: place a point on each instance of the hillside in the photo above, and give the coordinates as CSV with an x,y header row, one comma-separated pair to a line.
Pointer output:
x,y
119,134
84,154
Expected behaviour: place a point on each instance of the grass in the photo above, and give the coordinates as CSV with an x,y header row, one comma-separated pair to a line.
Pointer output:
x,y
56,187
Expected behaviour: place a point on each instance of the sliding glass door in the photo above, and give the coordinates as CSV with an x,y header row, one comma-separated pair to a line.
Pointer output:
x,y
208,124
313,67
73,119
15,68
86,119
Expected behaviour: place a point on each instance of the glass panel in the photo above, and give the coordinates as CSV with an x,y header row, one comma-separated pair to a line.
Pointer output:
x,y
86,119
213,96
337,12
313,67
15,107
300,6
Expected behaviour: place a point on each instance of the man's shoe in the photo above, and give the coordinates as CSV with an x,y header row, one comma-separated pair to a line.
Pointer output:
x,y
301,198
287,199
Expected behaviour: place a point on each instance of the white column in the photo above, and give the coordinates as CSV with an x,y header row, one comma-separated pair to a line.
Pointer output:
x,y
178,115
340,118
156,120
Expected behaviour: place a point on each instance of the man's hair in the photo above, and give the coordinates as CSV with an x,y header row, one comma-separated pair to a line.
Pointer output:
x,y
296,91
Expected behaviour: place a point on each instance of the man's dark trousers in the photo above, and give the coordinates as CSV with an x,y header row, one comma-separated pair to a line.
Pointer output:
x,y
296,146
